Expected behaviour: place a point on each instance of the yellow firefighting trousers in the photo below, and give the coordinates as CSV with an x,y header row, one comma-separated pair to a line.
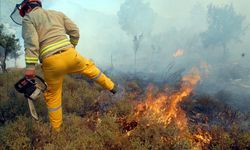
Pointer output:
x,y
55,67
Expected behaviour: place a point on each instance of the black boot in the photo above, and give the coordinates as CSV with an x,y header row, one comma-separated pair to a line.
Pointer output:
x,y
114,90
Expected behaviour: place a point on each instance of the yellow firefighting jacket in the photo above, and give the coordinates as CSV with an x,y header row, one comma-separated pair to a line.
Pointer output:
x,y
45,33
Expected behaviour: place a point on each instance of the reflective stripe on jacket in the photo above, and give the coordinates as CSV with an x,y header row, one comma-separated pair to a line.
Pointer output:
x,y
45,32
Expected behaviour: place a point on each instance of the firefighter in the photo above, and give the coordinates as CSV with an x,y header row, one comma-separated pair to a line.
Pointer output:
x,y
45,34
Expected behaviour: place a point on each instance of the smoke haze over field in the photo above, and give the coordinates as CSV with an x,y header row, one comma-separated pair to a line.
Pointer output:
x,y
168,26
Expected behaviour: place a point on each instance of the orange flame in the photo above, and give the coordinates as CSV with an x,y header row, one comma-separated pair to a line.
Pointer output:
x,y
178,53
205,68
164,108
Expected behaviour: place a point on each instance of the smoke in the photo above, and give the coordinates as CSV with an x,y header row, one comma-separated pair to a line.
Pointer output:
x,y
108,28
136,17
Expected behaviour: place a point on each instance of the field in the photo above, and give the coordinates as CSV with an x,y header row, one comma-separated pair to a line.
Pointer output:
x,y
139,117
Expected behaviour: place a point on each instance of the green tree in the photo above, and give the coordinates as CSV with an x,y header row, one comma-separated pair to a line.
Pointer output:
x,y
224,26
136,18
10,47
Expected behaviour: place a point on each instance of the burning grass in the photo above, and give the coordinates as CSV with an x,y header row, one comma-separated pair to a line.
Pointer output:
x,y
155,118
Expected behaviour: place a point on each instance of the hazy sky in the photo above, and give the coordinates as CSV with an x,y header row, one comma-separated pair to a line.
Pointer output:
x,y
104,6
170,14
101,34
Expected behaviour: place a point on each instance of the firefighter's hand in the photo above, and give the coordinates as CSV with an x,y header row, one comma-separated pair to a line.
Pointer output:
x,y
30,73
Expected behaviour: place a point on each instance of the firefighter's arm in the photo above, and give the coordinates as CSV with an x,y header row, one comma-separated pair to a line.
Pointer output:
x,y
72,30
31,45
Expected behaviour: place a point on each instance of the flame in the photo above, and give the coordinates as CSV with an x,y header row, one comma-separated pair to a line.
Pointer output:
x,y
164,108
178,53
203,137
205,67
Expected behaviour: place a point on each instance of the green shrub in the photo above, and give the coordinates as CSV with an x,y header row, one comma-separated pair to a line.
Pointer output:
x,y
233,138
14,135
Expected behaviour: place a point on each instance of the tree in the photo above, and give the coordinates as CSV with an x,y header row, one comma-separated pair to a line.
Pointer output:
x,y
136,19
137,41
15,55
224,26
10,47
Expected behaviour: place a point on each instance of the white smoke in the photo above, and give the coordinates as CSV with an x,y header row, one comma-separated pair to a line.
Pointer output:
x,y
176,25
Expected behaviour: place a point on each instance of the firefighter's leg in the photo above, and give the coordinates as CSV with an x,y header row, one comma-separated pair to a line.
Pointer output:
x,y
94,73
53,98
87,67
53,69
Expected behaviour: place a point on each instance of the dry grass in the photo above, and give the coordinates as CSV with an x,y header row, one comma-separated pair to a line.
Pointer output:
x,y
91,121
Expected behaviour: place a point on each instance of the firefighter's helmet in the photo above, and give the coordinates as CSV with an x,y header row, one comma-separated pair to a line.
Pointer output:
x,y
21,9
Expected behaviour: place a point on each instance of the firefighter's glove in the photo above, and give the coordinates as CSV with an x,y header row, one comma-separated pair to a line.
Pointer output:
x,y
30,73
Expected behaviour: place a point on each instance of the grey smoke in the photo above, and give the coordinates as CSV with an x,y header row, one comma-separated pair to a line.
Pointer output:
x,y
167,26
